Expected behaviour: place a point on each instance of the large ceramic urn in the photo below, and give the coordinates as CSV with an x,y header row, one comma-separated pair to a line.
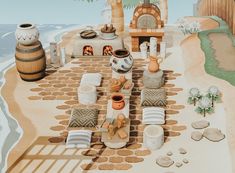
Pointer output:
x,y
121,61
27,34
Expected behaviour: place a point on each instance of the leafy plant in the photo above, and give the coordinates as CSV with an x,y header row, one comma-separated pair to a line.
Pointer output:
x,y
188,27
204,106
214,94
194,96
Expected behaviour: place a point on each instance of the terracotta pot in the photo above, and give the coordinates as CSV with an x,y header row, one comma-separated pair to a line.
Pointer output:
x,y
121,61
26,34
153,65
118,102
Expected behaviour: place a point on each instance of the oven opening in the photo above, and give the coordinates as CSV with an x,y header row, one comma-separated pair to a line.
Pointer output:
x,y
107,50
88,50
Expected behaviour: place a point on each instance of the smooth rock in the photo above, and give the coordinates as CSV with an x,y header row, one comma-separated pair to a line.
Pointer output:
x,y
213,134
196,136
169,153
200,124
182,151
178,164
164,161
185,161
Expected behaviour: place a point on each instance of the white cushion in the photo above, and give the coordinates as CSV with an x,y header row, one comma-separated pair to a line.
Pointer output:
x,y
91,78
153,115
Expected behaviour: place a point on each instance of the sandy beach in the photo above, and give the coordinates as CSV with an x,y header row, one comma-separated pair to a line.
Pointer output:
x,y
186,60
194,59
23,114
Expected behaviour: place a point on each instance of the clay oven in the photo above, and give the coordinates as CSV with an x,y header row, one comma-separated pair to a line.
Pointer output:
x,y
146,23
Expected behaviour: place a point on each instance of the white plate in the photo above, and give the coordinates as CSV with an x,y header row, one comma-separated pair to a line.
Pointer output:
x,y
110,38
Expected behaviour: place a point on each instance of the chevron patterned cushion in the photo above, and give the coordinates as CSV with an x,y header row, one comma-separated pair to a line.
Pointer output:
x,y
83,118
153,97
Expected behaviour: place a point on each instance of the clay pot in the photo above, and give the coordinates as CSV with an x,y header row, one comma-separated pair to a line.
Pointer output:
x,y
26,34
118,102
153,65
121,61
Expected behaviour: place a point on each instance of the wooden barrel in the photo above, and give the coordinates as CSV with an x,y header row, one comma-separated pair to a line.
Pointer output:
x,y
30,61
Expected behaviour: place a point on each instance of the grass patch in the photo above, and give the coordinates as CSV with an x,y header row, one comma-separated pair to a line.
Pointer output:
x,y
211,64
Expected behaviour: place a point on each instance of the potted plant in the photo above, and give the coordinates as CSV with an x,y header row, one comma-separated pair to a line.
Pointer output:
x,y
194,96
214,94
205,106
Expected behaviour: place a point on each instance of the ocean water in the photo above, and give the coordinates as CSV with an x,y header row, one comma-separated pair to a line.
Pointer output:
x,y
10,130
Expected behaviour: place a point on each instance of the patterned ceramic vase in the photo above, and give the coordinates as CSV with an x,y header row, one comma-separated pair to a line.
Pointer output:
x,y
26,34
121,61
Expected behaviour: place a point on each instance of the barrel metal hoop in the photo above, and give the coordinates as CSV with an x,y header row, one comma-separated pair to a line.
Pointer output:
x,y
32,80
39,47
30,60
31,73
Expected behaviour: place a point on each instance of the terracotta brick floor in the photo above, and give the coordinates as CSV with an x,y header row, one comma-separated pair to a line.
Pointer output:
x,y
62,85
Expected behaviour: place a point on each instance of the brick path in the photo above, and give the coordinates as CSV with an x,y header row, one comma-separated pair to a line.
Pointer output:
x,y
62,85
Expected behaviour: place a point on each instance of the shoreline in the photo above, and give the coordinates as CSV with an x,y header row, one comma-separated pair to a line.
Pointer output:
x,y
27,137
13,130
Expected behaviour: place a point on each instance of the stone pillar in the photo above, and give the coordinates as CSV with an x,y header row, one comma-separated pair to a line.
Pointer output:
x,y
163,50
153,46
62,56
53,52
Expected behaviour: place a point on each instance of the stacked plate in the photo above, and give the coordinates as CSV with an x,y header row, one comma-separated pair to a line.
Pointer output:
x,y
79,139
153,115
91,78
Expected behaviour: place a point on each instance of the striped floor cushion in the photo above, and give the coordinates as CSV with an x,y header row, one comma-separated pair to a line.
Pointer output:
x,y
153,97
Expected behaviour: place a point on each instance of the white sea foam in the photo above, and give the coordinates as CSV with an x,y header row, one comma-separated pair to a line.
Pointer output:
x,y
5,35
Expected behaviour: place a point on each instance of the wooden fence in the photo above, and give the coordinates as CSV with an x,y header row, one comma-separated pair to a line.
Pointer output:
x,y
224,9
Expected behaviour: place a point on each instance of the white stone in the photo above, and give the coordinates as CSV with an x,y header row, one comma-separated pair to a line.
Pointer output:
x,y
196,136
213,134
178,164
169,153
164,161
200,124
182,151
185,161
